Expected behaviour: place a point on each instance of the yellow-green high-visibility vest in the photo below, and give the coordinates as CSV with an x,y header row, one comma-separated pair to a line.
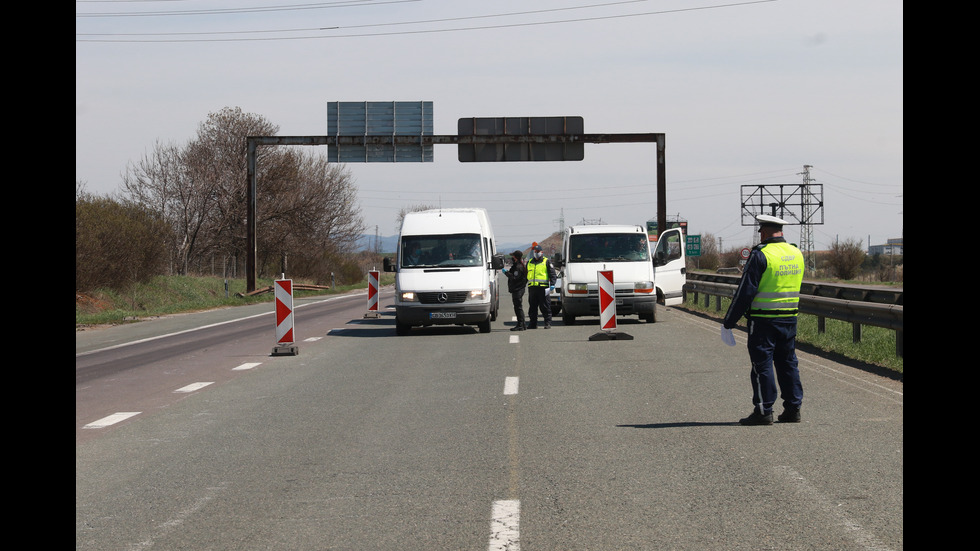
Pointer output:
x,y
779,288
537,273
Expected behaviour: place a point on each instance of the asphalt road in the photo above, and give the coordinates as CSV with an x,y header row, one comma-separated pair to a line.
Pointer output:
x,y
196,437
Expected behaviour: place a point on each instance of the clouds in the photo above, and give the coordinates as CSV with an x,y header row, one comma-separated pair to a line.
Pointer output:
x,y
745,94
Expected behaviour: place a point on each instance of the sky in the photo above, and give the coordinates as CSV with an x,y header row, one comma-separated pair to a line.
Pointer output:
x,y
746,93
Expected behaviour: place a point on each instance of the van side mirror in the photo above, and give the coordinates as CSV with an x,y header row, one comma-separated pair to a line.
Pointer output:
x,y
556,260
497,261
386,263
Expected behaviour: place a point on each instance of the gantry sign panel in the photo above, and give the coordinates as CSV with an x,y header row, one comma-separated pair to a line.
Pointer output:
x,y
538,141
379,118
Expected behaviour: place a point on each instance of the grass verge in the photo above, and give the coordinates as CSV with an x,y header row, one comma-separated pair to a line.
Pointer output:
x,y
165,295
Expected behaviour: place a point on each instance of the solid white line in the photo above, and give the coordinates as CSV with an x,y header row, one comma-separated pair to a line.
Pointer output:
x,y
214,325
245,366
505,526
194,386
510,385
862,537
111,419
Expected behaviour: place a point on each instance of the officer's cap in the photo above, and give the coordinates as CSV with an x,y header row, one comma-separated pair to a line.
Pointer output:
x,y
537,247
766,221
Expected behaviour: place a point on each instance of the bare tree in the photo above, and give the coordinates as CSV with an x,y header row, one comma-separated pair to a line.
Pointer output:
x,y
845,259
314,217
306,206
217,162
161,182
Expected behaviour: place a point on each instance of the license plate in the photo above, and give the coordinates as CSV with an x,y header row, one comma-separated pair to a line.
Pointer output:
x,y
442,315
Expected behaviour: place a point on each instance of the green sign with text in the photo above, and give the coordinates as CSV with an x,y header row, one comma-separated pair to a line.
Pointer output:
x,y
693,245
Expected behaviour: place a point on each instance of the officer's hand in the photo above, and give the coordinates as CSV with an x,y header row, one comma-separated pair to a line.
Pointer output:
x,y
727,337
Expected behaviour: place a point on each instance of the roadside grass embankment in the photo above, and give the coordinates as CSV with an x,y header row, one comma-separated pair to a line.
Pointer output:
x,y
165,295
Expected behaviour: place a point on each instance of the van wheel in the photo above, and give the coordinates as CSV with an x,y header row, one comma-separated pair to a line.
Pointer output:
x,y
649,318
484,326
402,329
555,309
567,319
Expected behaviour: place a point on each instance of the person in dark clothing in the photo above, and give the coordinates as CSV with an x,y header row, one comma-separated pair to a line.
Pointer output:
x,y
517,284
769,296
540,283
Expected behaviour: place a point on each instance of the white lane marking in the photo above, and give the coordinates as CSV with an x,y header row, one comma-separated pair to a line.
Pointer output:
x,y
510,385
177,521
248,365
193,386
862,537
312,339
514,339
342,297
505,526
111,419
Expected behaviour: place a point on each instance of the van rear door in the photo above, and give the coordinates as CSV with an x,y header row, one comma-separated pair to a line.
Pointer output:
x,y
670,267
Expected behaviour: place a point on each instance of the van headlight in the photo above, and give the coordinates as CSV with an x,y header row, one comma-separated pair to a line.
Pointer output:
x,y
409,296
643,287
478,294
577,288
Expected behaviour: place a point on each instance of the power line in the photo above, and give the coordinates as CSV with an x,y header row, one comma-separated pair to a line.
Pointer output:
x,y
395,33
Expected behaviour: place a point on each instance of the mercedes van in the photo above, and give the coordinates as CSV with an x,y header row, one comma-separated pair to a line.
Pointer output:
x,y
446,270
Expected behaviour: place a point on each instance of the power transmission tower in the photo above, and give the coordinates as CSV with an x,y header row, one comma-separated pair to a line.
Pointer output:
x,y
561,223
806,229
797,204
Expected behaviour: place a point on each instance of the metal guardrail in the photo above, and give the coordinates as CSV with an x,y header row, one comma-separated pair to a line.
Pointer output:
x,y
856,304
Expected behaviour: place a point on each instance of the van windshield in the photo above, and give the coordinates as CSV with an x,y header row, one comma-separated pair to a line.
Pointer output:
x,y
608,247
445,251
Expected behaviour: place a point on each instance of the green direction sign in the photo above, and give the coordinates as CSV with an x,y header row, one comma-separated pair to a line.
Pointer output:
x,y
693,245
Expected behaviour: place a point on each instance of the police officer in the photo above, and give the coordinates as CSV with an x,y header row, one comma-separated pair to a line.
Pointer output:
x,y
540,282
769,295
517,284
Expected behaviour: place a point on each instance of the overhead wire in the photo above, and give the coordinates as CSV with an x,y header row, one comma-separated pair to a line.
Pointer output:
x,y
423,31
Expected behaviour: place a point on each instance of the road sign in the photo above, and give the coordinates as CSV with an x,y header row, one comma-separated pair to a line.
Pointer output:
x,y
745,253
379,118
693,245
535,146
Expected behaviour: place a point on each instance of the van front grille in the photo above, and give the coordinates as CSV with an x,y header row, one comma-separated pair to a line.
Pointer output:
x,y
454,297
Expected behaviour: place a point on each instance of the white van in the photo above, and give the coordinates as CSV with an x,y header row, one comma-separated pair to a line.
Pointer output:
x,y
624,249
446,272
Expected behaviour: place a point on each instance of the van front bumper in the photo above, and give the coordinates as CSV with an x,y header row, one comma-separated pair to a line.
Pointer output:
x,y
448,315
589,305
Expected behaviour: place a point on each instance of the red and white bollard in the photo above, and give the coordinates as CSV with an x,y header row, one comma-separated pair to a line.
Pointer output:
x,y
607,308
607,300
372,297
284,319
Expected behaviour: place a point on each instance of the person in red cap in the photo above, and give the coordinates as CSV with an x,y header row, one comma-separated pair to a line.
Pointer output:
x,y
540,280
